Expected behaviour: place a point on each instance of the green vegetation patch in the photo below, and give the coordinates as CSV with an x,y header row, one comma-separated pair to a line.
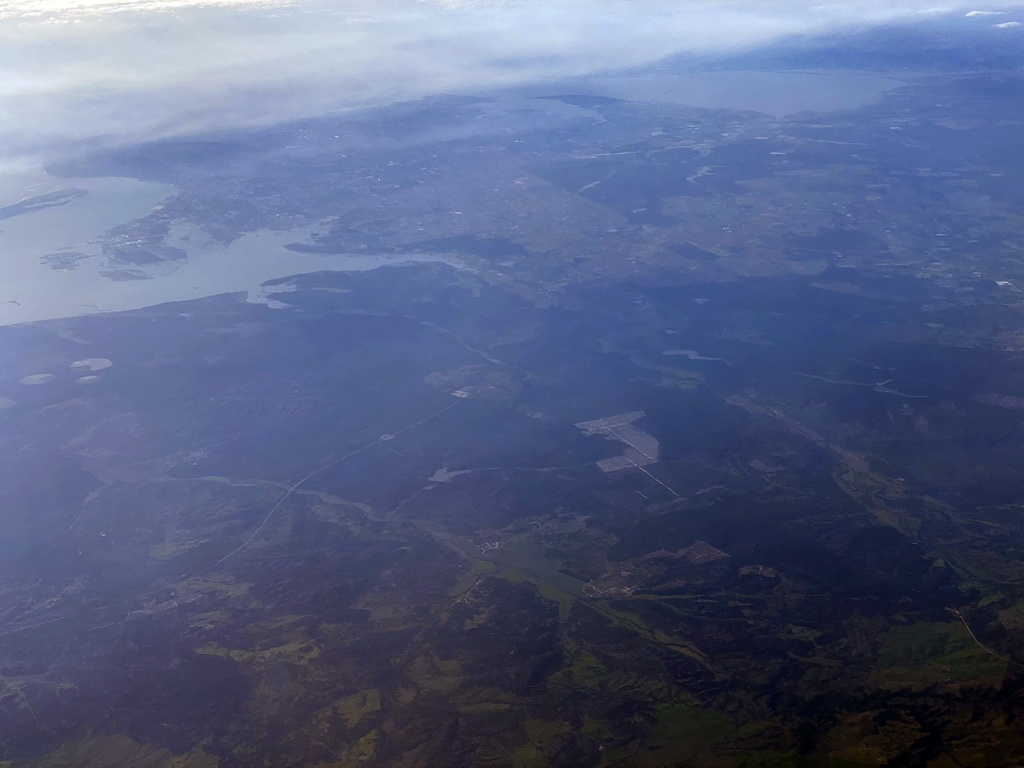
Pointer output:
x,y
298,652
539,736
583,671
354,708
469,578
117,750
1012,617
431,674
546,589
365,748
922,655
169,549
691,726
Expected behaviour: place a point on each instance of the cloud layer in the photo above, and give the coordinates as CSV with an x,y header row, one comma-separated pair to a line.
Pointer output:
x,y
119,70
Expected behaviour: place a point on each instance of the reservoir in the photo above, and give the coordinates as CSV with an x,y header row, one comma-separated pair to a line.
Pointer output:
x,y
33,289
775,93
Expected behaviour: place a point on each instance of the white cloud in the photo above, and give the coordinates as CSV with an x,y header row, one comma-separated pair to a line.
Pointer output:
x,y
971,14
122,69
1007,25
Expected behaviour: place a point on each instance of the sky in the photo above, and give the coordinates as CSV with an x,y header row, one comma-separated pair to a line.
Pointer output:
x,y
127,70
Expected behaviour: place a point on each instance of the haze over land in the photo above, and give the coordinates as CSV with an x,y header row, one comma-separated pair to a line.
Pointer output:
x,y
523,385
120,71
